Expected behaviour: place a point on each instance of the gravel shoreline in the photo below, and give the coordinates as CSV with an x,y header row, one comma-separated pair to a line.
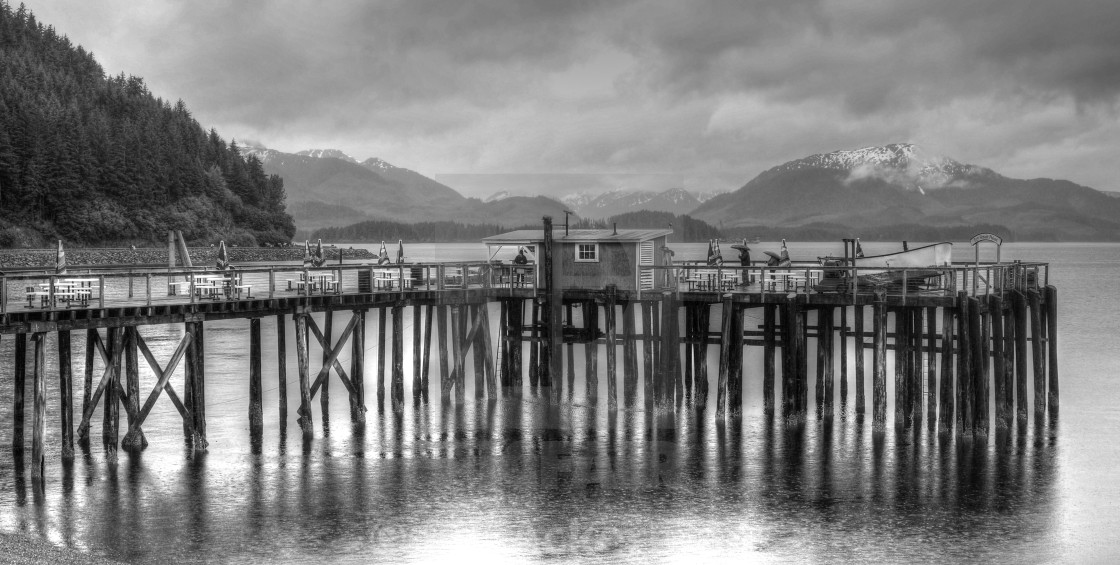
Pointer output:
x,y
44,258
27,549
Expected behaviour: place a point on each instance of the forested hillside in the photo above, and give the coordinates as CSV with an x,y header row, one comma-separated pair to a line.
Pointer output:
x,y
92,159
685,228
379,230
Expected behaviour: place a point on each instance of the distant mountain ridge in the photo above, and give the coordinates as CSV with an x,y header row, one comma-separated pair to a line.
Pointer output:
x,y
621,201
328,188
900,184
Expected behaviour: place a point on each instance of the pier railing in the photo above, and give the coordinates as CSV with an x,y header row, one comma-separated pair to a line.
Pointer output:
x,y
974,279
116,285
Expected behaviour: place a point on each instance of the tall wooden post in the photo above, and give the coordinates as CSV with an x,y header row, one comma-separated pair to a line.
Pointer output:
x,y
132,441
398,357
769,329
979,367
843,360
417,352
612,346
66,394
358,369
553,271
282,369
999,362
424,377
801,357
879,365
965,377
702,322
931,369
861,403
630,356
725,346
534,345
304,411
1019,304
19,378
735,380
591,350
459,380
383,354
517,333
39,409
1037,356
1052,342
789,377
570,348
111,414
87,382
647,352
324,387
827,374
945,416
485,343
256,401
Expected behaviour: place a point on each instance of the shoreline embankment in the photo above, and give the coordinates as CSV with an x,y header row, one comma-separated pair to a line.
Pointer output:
x,y
200,256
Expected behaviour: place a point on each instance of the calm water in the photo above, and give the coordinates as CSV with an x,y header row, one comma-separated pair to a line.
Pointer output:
x,y
516,480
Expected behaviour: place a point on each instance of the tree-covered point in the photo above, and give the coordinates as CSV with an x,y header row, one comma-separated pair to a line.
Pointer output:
x,y
379,230
685,228
92,159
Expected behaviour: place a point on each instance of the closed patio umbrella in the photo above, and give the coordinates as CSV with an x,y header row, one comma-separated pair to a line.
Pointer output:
x,y
308,261
383,255
223,256
60,260
400,251
318,259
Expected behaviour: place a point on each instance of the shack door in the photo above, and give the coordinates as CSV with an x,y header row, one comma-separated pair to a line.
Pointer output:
x,y
645,259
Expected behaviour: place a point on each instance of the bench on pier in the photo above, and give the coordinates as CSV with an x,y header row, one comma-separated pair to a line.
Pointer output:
x,y
389,279
175,287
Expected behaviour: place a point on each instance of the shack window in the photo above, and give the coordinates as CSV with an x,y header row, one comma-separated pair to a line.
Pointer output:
x,y
587,253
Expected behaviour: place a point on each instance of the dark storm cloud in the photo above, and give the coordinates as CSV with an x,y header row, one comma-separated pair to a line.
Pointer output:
x,y
633,86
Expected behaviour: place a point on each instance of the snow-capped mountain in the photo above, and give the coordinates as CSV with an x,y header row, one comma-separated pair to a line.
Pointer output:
x,y
904,164
497,196
323,153
900,185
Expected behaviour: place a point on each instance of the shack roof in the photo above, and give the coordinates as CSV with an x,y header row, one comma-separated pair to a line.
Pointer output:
x,y
574,236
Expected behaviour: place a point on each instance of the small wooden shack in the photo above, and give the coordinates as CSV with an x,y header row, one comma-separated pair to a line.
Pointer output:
x,y
593,259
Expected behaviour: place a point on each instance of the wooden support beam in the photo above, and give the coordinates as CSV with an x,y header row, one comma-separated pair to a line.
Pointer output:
x,y
879,365
979,334
843,361
282,369
256,402
726,328
417,352
591,350
861,403
629,355
1019,306
426,374
647,352
358,368
902,324
801,358
445,381
383,354
39,407
1004,409
162,384
1052,343
304,412
111,414
517,331
735,372
458,355
931,368
534,345
914,410
570,348
612,346
945,416
703,319
66,394
196,369
331,353
325,369
690,341
87,388
480,355
1037,354
132,380
769,339
19,379
488,361
827,374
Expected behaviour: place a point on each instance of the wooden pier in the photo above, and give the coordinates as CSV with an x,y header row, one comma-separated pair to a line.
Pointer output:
x,y
979,334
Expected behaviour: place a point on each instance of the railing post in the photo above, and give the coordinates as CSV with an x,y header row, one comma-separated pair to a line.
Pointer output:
x,y
148,289
101,291
50,291
3,295
271,282
130,283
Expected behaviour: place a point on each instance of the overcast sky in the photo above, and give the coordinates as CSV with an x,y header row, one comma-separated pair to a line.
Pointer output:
x,y
690,92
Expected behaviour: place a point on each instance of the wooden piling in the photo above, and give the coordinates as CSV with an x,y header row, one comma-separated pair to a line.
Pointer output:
x,y
979,367
458,379
689,347
383,353
39,407
304,411
426,370
902,323
324,388
725,345
19,379
570,348
358,369
517,332
879,365
917,358
591,350
480,354
945,416
282,369
800,336
398,357
703,320
137,441
256,401
1019,305
843,360
931,368
789,377
999,364
66,394
534,345
965,376
612,345
769,339
1052,343
630,356
87,382
861,403
827,374
1037,355
111,414
488,363
735,372
417,352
